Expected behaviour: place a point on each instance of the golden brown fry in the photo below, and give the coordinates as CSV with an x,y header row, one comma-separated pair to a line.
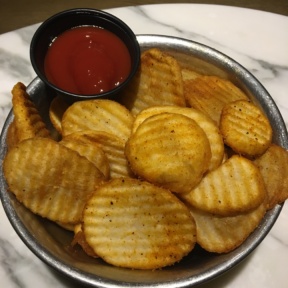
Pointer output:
x,y
170,150
134,224
234,187
209,127
209,94
223,234
27,120
273,165
50,179
112,146
98,115
158,82
245,128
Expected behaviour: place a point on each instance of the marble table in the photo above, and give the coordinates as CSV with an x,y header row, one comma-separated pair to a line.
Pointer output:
x,y
258,40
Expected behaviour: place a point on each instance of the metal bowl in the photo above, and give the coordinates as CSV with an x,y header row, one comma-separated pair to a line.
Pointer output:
x,y
51,243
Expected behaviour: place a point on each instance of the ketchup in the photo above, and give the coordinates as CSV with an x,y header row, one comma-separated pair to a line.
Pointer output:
x,y
87,60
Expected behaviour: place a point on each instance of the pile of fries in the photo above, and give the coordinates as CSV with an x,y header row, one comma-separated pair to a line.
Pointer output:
x,y
182,158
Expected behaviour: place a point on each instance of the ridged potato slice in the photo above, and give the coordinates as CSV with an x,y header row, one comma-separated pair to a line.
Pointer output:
x,y
234,187
91,150
98,115
273,165
134,224
170,150
157,82
209,94
50,179
209,127
220,234
245,128
112,146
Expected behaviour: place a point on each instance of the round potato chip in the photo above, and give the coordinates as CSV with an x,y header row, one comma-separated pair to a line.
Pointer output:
x,y
112,146
92,151
50,179
134,224
205,122
220,234
210,94
245,128
98,115
234,187
273,165
157,82
27,122
170,150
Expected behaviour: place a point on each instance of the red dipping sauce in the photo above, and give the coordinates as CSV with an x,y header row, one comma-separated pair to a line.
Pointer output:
x,y
87,60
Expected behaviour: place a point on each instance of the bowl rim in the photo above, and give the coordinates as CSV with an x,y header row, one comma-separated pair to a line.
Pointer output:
x,y
93,13
238,254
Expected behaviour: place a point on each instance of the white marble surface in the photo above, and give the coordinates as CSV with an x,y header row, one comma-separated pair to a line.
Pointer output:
x,y
258,40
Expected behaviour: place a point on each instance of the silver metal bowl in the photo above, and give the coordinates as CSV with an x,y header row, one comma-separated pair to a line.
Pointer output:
x,y
51,243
